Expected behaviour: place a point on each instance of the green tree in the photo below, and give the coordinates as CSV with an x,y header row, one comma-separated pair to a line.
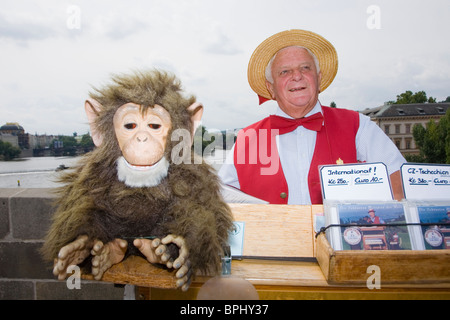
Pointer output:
x,y
419,134
206,138
445,124
409,97
86,142
433,141
69,146
8,151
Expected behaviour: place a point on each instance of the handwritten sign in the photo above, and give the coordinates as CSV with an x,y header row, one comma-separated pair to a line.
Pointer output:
x,y
362,181
426,181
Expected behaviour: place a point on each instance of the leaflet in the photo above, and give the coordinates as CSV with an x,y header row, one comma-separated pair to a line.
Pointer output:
x,y
368,226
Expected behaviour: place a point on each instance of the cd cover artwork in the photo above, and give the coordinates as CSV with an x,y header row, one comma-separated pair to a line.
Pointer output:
x,y
373,227
435,236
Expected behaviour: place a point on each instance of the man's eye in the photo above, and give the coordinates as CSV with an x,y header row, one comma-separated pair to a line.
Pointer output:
x,y
130,126
154,126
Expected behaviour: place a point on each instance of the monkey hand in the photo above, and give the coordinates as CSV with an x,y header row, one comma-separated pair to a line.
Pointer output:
x,y
106,255
71,254
156,252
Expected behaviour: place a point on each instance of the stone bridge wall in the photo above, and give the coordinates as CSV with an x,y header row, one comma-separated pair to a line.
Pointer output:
x,y
24,219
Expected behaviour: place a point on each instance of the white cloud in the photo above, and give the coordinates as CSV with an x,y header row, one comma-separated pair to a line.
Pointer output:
x,y
220,43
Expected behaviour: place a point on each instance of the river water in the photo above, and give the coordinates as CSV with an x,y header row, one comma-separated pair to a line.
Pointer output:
x,y
40,172
35,172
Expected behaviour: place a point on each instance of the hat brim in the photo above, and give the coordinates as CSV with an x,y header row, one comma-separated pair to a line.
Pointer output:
x,y
322,49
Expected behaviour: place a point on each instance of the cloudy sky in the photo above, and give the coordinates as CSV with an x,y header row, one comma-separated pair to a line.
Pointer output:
x,y
53,52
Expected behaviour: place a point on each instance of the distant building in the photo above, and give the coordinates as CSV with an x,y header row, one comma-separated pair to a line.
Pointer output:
x,y
398,120
7,137
41,141
10,130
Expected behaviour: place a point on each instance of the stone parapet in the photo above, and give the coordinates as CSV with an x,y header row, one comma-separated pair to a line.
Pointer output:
x,y
25,216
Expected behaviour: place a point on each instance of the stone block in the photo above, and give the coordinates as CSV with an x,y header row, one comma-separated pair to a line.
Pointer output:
x,y
89,290
31,212
16,290
20,260
4,217
5,195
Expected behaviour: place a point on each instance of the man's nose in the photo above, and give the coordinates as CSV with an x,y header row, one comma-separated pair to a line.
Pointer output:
x,y
297,75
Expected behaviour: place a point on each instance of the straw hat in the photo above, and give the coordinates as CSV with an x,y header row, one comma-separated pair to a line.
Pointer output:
x,y
322,48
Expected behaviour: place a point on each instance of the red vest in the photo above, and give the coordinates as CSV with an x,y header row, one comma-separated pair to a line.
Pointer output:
x,y
376,220
259,171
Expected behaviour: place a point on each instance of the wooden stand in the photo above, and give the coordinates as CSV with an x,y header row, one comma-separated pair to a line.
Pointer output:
x,y
396,267
280,253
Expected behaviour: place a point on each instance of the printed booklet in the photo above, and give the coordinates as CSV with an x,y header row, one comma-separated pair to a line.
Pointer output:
x,y
434,231
368,226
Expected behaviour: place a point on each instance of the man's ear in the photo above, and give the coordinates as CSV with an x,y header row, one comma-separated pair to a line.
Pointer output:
x,y
93,108
196,111
319,80
269,87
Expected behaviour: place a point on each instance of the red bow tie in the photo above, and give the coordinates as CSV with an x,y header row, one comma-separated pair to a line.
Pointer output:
x,y
285,125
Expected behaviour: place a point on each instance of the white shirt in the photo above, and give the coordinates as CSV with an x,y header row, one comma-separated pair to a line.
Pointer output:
x,y
296,150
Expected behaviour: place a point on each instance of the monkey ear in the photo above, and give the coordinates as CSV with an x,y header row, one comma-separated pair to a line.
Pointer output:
x,y
196,111
93,108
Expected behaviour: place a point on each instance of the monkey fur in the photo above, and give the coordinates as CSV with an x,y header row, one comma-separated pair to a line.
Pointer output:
x,y
187,202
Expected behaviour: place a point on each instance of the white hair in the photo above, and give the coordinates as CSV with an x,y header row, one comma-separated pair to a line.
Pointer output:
x,y
268,71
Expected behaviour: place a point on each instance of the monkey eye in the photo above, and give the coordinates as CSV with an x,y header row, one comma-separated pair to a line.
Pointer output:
x,y
130,126
154,126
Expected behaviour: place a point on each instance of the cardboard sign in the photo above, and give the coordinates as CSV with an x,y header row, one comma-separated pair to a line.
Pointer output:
x,y
361,182
426,181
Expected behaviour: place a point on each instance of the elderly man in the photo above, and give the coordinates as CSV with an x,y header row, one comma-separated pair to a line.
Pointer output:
x,y
277,158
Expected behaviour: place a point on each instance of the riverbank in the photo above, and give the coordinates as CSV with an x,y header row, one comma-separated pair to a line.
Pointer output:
x,y
33,172
40,172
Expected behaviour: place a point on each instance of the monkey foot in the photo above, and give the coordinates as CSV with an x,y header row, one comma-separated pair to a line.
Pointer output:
x,y
107,255
155,252
71,254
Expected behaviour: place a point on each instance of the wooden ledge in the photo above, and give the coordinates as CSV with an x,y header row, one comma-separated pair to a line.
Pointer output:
x,y
138,271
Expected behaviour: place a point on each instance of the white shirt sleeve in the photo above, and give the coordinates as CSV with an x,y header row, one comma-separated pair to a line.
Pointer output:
x,y
227,172
373,145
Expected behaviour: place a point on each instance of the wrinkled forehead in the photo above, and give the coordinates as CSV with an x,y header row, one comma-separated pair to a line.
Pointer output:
x,y
132,108
296,51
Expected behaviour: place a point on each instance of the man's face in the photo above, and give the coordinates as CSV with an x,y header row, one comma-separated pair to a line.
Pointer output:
x,y
295,81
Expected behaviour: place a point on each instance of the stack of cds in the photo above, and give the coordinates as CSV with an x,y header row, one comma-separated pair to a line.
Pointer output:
x,y
388,225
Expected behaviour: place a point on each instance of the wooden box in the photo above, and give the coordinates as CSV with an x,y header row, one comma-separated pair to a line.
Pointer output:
x,y
351,267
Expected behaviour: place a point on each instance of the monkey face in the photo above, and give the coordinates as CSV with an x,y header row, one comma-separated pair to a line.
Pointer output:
x,y
141,137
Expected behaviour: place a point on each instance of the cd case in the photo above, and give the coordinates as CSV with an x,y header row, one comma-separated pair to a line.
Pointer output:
x,y
433,231
387,225
369,226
